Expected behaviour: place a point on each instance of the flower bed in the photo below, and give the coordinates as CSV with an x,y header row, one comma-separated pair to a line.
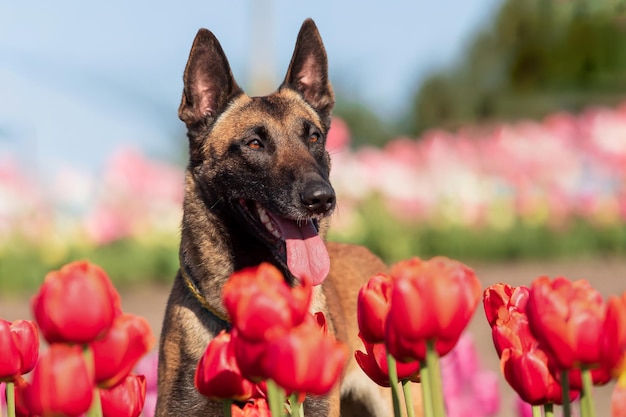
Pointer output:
x,y
555,188
555,340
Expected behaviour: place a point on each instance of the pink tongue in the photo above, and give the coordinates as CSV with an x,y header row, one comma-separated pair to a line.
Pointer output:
x,y
306,252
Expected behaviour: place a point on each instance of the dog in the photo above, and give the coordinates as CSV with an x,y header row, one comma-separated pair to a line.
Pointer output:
x,y
257,190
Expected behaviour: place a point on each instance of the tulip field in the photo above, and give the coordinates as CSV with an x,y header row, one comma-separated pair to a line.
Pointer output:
x,y
557,340
442,210
525,190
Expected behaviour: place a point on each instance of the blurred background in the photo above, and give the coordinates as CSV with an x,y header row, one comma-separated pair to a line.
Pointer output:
x,y
491,131
482,129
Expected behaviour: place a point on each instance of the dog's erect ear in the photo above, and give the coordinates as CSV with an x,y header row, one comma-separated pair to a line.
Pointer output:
x,y
209,82
308,71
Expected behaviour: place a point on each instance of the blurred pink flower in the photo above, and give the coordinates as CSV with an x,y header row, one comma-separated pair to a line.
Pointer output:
x,y
147,367
523,408
542,173
338,137
137,195
3,399
469,390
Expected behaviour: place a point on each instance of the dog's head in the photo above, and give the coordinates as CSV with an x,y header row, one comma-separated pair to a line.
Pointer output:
x,y
262,161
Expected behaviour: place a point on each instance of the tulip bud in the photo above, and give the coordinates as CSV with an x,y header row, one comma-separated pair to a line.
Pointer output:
x,y
125,399
218,376
76,304
69,392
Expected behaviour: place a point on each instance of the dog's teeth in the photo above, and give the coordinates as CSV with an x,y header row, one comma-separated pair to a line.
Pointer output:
x,y
267,222
273,231
263,215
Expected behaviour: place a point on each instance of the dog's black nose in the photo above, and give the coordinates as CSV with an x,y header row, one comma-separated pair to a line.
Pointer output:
x,y
318,198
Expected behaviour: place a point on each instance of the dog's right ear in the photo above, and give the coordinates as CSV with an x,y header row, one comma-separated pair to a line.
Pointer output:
x,y
208,81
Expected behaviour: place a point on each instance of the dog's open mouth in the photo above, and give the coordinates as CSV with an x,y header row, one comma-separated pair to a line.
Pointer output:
x,y
296,243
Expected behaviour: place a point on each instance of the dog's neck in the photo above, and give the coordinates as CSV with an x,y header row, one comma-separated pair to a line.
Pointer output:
x,y
214,245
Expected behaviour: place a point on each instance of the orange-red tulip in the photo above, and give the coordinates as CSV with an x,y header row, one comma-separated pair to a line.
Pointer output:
x,y
76,304
374,363
126,399
19,348
218,376
496,297
254,408
567,318
62,383
115,355
373,306
305,360
525,366
505,308
260,302
500,299
430,301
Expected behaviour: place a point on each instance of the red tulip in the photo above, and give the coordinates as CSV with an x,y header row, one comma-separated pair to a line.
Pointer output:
x,y
128,339
373,306
254,408
499,299
614,334
306,360
374,363
494,298
260,302
527,372
76,304
218,376
250,356
430,300
21,410
62,383
567,319
125,399
524,364
505,308
19,348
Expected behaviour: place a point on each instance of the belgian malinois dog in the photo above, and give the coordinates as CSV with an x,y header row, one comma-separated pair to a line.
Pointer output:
x,y
258,190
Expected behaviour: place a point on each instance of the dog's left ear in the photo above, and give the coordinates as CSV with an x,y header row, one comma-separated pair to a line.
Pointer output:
x,y
308,71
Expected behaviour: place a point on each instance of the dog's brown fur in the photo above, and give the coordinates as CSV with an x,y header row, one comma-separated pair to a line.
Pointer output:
x,y
269,150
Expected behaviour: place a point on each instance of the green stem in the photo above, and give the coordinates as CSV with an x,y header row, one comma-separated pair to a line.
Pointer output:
x,y
227,407
276,398
432,362
297,410
10,399
393,381
548,409
586,399
408,399
536,410
96,407
567,406
425,383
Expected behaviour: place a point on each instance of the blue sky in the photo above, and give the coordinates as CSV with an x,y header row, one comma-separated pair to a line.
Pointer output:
x,y
78,79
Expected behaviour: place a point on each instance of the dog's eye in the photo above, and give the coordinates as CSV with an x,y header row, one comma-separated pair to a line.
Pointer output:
x,y
314,137
255,144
